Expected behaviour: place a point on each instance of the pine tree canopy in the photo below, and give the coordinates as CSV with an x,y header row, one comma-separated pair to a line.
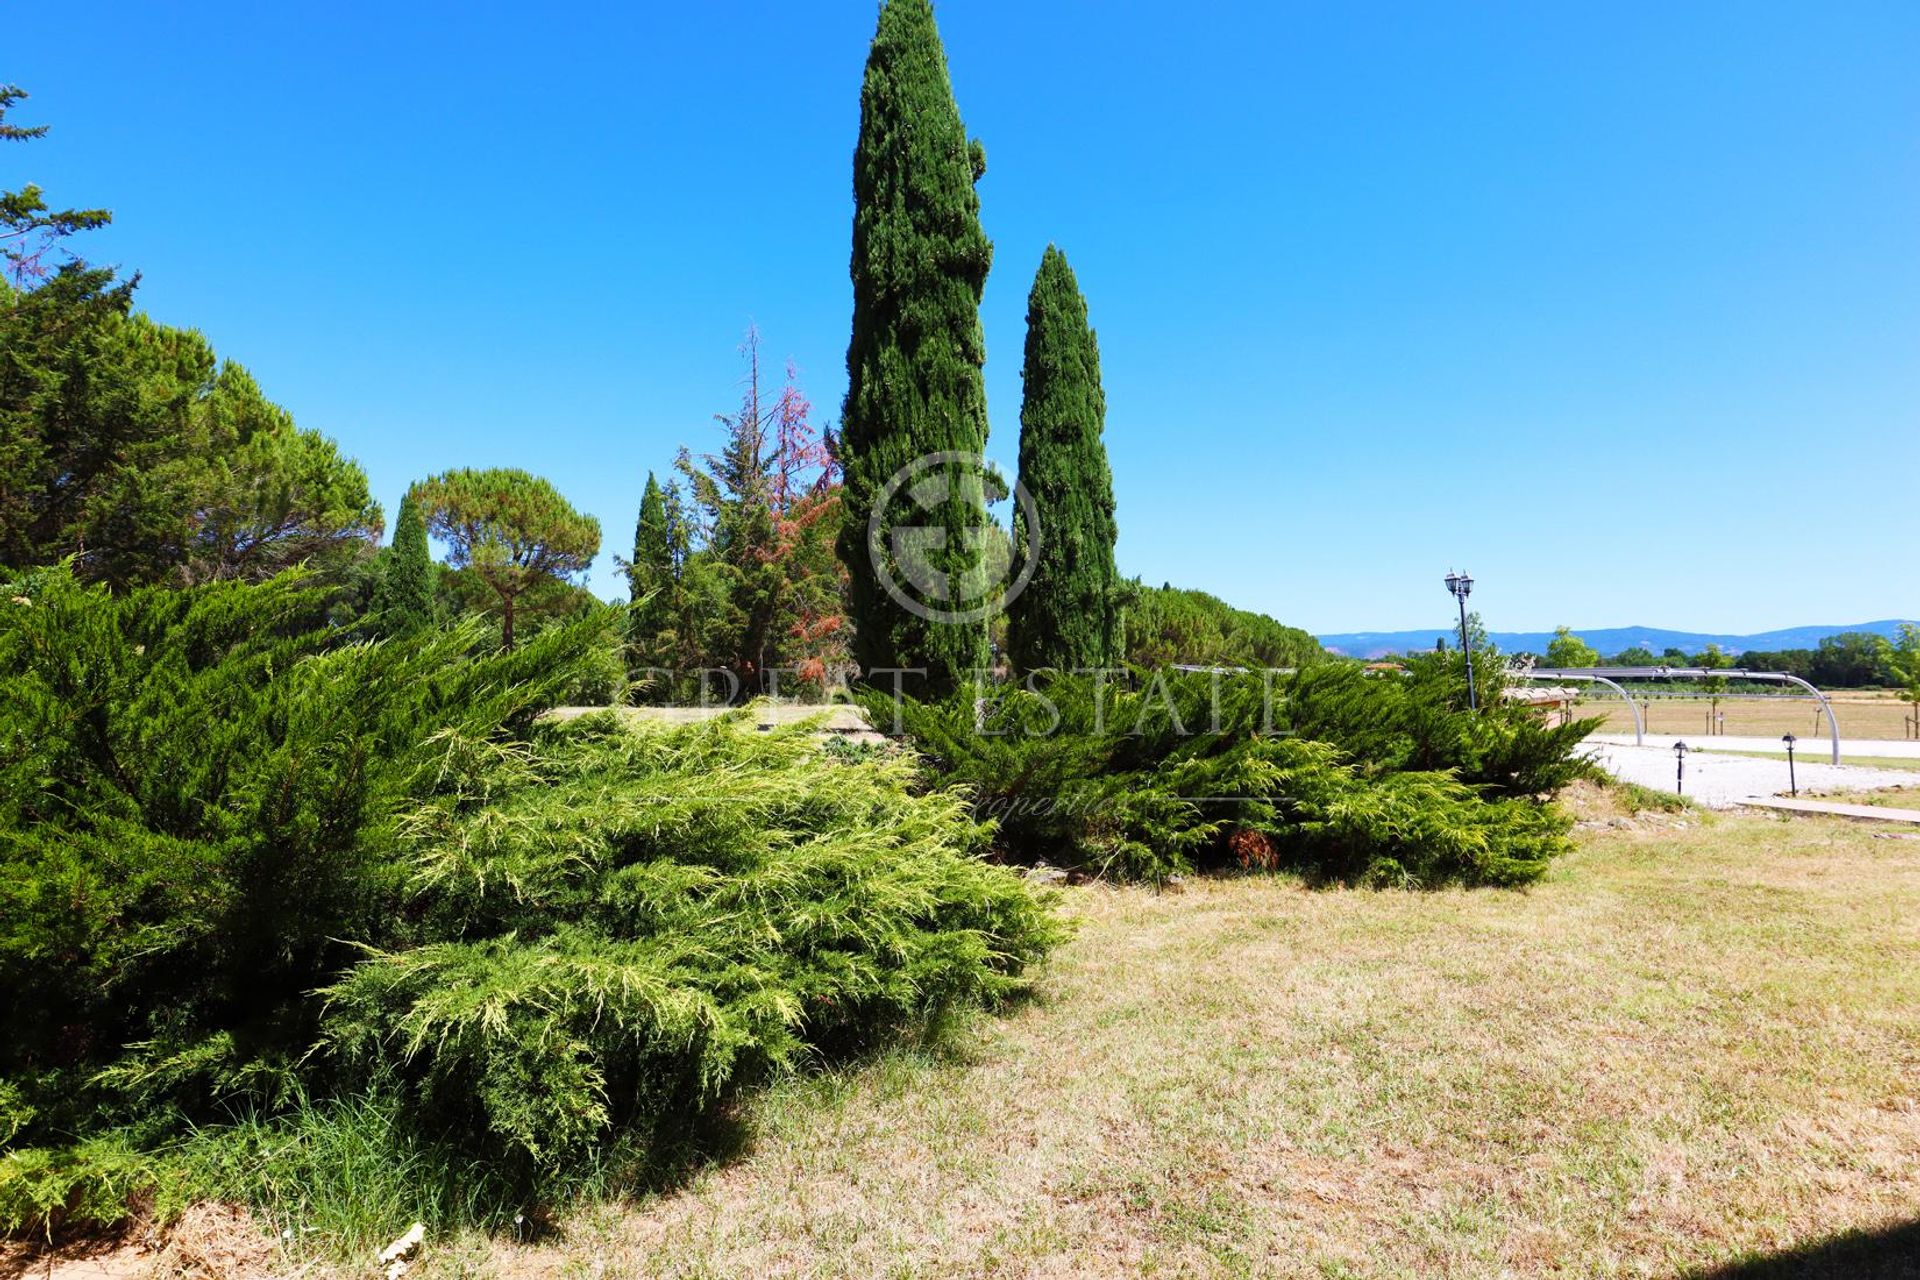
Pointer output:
x,y
1067,617
512,529
914,385
131,446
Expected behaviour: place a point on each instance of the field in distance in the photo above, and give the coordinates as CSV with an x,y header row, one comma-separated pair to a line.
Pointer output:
x,y
1861,715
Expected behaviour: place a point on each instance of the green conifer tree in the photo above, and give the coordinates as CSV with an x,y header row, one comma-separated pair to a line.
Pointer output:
x,y
513,531
1067,617
914,385
404,597
652,566
652,577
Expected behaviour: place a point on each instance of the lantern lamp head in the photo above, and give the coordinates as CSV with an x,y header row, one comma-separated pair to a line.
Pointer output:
x,y
1680,749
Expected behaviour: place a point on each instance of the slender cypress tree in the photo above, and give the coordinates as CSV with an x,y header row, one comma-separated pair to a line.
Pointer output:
x,y
1068,616
404,596
652,565
651,576
914,385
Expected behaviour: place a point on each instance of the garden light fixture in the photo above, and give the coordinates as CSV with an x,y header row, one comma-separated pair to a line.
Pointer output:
x,y
1461,585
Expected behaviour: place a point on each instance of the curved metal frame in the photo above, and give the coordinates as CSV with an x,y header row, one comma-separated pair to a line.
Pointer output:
x,y
1686,673
1639,724
1833,724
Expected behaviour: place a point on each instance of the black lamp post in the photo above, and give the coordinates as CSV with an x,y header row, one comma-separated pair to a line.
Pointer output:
x,y
1461,585
1793,783
1680,767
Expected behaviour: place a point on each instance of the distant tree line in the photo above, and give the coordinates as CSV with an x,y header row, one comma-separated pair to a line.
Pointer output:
x,y
1849,660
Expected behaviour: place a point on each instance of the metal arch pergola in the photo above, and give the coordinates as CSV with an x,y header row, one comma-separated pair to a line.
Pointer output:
x,y
1609,675
1639,724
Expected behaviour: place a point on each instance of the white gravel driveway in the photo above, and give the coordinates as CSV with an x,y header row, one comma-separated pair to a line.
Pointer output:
x,y
1810,746
1723,781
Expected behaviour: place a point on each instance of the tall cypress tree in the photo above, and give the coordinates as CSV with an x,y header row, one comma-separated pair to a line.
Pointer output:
x,y
652,565
914,385
1068,616
650,581
404,596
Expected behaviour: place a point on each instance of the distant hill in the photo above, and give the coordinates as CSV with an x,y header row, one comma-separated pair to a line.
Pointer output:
x,y
1608,640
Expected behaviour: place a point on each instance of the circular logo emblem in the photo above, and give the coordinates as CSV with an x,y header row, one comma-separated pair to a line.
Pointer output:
x,y
923,569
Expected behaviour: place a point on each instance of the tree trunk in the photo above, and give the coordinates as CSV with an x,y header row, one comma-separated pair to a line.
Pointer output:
x,y
506,628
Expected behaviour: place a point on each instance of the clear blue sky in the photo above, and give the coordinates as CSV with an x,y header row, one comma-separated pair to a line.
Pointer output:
x,y
1617,306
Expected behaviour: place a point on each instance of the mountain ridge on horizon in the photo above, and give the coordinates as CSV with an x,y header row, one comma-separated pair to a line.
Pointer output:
x,y
1608,640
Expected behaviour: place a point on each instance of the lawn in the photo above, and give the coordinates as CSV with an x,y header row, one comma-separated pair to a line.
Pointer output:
x,y
1694,1043
1815,757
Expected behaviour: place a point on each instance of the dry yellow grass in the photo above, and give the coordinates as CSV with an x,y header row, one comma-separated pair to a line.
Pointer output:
x,y
1860,715
1691,1043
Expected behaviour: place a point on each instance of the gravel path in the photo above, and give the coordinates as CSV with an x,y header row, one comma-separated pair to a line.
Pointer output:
x,y
1811,746
1723,781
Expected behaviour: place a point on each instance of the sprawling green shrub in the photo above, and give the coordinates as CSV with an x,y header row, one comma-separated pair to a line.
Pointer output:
x,y
198,791
1415,719
252,869
1173,771
627,922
